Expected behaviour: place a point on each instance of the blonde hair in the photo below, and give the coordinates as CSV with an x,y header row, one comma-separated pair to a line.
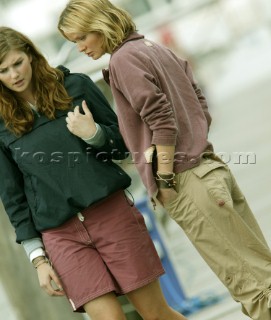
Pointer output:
x,y
47,85
101,16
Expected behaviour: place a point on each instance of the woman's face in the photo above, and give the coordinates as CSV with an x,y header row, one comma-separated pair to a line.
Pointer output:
x,y
91,43
16,72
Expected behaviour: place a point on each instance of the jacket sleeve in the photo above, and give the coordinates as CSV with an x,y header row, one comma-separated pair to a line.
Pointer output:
x,y
134,77
104,115
13,197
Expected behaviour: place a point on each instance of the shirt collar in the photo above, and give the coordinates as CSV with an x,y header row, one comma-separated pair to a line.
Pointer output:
x,y
133,36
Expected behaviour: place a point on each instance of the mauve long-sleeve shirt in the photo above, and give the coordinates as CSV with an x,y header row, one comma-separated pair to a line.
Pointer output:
x,y
158,102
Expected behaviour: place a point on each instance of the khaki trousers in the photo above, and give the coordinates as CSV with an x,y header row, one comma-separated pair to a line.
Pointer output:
x,y
215,216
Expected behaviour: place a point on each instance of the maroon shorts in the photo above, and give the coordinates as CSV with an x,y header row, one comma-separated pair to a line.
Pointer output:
x,y
111,250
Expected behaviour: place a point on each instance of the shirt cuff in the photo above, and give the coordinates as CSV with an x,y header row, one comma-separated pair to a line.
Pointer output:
x,y
36,253
32,245
98,139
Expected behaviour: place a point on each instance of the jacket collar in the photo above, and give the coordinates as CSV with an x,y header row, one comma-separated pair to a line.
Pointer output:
x,y
133,36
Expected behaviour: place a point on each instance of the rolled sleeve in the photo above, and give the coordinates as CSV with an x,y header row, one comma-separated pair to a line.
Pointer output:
x,y
33,245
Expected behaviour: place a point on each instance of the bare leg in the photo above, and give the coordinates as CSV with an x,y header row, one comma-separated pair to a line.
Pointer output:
x,y
150,303
106,307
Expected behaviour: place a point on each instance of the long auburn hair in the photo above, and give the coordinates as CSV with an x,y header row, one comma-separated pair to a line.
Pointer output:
x,y
111,22
47,85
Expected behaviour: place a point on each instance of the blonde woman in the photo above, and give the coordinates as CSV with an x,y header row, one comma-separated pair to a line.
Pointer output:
x,y
164,119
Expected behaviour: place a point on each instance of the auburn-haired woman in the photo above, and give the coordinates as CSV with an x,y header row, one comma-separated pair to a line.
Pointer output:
x,y
64,195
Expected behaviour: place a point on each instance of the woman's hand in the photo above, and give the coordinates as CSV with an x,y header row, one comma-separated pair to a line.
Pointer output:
x,y
49,281
81,125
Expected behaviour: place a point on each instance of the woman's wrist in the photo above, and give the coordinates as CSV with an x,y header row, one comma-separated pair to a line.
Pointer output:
x,y
165,180
39,261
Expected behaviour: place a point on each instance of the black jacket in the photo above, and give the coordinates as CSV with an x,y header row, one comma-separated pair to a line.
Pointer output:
x,y
48,175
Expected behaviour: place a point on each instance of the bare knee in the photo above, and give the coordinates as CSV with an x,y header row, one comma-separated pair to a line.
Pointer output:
x,y
106,307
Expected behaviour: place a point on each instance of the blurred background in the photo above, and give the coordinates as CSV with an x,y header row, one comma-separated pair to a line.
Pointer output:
x,y
228,43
